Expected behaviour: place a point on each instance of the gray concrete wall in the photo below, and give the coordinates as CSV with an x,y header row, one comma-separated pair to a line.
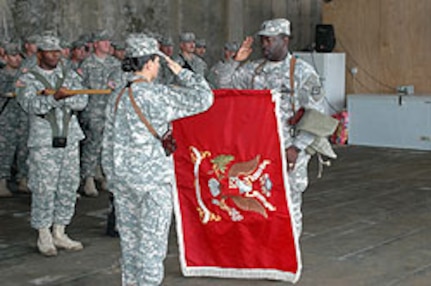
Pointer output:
x,y
215,20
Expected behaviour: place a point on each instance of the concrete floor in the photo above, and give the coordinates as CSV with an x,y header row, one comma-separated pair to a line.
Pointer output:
x,y
366,222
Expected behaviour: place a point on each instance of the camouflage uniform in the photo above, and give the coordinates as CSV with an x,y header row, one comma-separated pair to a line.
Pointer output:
x,y
196,64
26,65
96,74
222,66
263,74
53,172
14,124
138,171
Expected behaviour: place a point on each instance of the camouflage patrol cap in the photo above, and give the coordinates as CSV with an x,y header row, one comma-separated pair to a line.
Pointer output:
x,y
12,49
275,27
32,39
187,37
119,46
77,44
102,35
85,38
65,44
167,41
49,43
231,46
138,45
201,43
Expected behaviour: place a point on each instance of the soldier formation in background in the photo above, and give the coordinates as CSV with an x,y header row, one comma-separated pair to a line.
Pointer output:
x,y
96,61
52,141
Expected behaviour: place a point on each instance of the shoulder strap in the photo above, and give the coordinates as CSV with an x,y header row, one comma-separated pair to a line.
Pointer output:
x,y
42,79
117,100
45,83
257,71
186,63
142,117
292,80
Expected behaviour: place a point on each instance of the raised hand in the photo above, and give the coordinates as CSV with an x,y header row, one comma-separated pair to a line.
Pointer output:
x,y
173,65
245,50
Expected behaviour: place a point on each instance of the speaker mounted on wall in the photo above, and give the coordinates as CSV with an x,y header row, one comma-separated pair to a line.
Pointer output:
x,y
325,38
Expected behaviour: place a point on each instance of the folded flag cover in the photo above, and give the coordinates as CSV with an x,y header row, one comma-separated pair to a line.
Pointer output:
x,y
232,195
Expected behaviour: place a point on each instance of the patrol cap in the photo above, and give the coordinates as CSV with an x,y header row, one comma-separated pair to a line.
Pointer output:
x,y
85,38
102,35
275,27
32,39
138,45
231,46
187,37
77,44
167,41
49,43
118,45
12,49
201,43
65,44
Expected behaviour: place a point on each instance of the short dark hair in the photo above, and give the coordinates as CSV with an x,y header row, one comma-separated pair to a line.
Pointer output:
x,y
130,64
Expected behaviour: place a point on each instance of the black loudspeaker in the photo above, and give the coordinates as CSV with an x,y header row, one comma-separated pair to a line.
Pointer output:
x,y
325,38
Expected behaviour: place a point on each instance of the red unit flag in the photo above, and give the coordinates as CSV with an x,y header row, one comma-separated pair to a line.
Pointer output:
x,y
232,193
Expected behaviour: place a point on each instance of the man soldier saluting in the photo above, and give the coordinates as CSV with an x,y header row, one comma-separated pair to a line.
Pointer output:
x,y
273,71
53,143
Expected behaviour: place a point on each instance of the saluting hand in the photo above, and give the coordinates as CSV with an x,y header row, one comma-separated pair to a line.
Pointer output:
x,y
245,50
173,65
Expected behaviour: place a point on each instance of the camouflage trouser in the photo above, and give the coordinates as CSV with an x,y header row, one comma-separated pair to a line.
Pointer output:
x,y
143,222
22,149
53,180
298,182
91,146
11,137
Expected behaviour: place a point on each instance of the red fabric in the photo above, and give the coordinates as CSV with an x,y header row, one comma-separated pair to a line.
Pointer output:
x,y
241,124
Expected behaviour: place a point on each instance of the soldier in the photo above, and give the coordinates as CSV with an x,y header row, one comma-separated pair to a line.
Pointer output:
x,y
187,58
11,119
53,145
138,170
29,53
201,48
65,49
273,72
165,76
167,46
88,41
77,55
96,72
119,50
219,68
2,55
